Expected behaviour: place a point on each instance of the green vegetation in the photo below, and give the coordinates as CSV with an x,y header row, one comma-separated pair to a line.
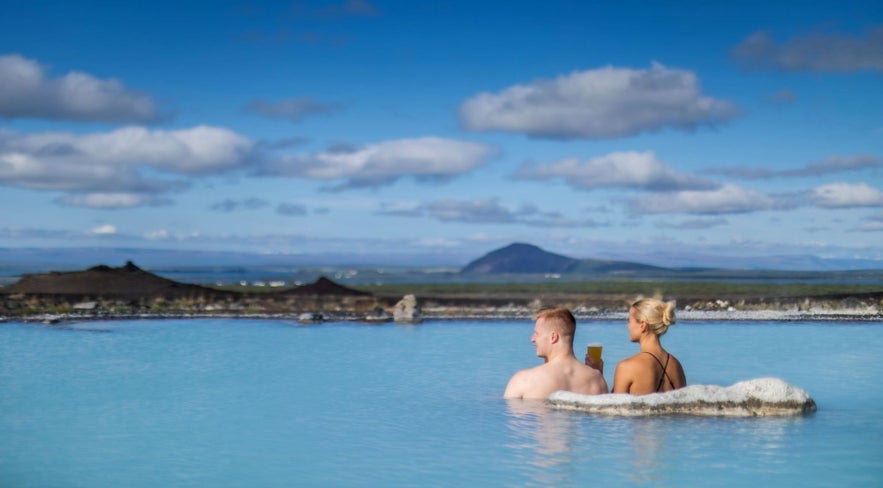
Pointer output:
x,y
672,289
251,289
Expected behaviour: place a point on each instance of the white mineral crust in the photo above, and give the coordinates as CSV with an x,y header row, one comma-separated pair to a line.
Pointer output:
x,y
753,398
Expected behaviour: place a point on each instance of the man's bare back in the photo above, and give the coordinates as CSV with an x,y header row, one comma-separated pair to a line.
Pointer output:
x,y
553,338
562,374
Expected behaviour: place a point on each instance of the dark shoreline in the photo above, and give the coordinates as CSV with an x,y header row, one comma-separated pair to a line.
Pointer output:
x,y
683,316
128,292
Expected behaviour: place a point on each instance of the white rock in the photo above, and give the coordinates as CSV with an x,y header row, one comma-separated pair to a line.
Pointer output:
x,y
753,398
85,306
407,310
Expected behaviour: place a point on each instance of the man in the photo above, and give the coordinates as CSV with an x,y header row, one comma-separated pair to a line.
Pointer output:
x,y
553,337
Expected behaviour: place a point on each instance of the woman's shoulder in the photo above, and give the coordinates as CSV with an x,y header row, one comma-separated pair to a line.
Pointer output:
x,y
674,360
637,360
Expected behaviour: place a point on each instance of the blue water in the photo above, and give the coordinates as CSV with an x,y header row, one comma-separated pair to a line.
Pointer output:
x,y
252,403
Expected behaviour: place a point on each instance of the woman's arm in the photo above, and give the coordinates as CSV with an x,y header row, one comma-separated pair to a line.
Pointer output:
x,y
623,377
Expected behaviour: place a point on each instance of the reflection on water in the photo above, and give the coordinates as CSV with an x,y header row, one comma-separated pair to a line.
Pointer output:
x,y
567,448
79,327
547,432
766,436
648,442
545,439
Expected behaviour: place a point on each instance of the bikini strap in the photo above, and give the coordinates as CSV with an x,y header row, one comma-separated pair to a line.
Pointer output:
x,y
664,370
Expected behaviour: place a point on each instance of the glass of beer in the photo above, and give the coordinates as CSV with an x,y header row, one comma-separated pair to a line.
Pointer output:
x,y
594,352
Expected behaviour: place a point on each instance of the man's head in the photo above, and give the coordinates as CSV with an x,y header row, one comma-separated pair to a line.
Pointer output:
x,y
554,328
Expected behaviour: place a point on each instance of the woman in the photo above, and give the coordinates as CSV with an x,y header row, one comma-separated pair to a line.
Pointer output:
x,y
653,369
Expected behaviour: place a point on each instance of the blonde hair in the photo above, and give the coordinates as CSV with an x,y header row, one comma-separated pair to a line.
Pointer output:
x,y
560,319
658,314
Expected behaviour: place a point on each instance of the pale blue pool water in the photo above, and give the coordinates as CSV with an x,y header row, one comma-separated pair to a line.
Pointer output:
x,y
263,403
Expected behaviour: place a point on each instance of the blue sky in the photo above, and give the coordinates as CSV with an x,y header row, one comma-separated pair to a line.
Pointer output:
x,y
402,129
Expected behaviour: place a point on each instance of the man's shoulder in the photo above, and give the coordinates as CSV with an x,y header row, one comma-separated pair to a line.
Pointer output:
x,y
524,382
538,370
538,374
591,371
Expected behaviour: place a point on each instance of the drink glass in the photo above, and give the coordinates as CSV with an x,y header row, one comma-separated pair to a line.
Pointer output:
x,y
594,352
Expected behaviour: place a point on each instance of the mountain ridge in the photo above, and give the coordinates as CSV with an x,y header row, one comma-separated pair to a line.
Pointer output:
x,y
131,282
523,258
15,261
520,257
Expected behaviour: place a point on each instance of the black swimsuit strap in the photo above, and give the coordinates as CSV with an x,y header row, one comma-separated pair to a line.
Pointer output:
x,y
664,371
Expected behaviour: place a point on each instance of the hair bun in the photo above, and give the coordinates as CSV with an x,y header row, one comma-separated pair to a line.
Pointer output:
x,y
668,313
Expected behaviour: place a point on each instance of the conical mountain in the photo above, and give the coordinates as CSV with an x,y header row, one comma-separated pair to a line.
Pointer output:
x,y
521,258
527,258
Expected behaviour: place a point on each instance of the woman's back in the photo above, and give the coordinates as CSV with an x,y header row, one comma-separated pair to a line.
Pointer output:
x,y
648,372
653,369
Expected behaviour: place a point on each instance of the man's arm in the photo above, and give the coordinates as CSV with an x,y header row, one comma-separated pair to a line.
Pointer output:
x,y
517,385
601,385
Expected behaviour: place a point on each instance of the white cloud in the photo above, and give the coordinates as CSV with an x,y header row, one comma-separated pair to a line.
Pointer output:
x,y
201,149
157,235
25,92
728,199
818,52
830,165
478,211
836,164
437,242
229,205
473,211
105,229
426,158
111,200
873,223
111,163
847,195
598,104
192,236
693,224
640,170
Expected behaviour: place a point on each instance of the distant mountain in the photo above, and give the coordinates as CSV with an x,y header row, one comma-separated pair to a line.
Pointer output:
x,y
128,281
132,282
521,258
527,258
15,262
324,286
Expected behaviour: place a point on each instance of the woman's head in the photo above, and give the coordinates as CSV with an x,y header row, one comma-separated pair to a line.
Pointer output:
x,y
657,314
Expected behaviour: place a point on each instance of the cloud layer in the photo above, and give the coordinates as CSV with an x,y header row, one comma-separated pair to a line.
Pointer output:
x,y
728,199
636,170
673,192
847,195
820,52
25,92
831,165
107,169
373,165
485,211
598,104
